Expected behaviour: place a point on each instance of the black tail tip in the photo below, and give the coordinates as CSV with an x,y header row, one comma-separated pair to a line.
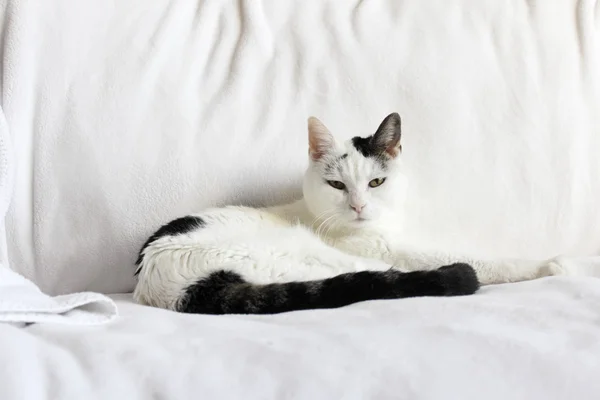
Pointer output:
x,y
459,279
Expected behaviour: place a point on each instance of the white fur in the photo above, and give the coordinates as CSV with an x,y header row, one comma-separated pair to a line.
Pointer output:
x,y
317,237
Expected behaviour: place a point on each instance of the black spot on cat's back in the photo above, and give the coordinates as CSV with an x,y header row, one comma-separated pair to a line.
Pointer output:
x,y
178,226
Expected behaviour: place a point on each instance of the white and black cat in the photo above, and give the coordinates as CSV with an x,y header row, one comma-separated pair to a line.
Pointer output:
x,y
339,245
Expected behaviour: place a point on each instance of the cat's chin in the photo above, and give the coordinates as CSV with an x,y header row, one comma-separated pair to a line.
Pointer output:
x,y
360,221
364,222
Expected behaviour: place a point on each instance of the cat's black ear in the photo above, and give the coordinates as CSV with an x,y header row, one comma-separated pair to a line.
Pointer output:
x,y
320,140
387,137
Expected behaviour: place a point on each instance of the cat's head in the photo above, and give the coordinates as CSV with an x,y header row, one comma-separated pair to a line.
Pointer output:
x,y
358,182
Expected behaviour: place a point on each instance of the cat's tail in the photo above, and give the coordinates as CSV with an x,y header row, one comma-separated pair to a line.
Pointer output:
x,y
225,292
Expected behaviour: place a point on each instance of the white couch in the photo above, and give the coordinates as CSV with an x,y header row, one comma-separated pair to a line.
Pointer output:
x,y
126,114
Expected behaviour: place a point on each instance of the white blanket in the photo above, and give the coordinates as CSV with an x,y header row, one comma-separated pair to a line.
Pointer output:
x,y
21,301
525,341
127,114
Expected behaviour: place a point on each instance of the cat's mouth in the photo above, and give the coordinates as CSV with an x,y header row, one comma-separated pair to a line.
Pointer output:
x,y
359,218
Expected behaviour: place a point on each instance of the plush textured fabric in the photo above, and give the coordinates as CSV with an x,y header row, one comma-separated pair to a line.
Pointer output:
x,y
128,114
125,114
523,341
21,301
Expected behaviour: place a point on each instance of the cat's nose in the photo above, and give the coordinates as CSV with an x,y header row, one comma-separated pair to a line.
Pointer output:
x,y
357,208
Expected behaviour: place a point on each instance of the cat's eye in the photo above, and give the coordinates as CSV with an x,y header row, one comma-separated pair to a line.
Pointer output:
x,y
376,182
337,185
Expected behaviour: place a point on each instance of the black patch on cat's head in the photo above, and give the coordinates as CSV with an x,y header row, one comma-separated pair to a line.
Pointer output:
x,y
364,146
178,226
385,142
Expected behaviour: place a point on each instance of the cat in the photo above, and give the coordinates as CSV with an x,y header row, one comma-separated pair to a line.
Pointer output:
x,y
336,246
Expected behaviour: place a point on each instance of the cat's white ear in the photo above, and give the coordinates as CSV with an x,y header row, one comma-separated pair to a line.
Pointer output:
x,y
320,140
387,137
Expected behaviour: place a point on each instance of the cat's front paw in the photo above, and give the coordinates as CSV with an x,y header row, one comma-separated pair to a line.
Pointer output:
x,y
553,267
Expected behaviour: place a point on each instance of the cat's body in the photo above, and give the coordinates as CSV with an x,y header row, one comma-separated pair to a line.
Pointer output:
x,y
340,244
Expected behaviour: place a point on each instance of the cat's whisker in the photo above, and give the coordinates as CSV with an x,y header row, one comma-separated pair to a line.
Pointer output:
x,y
328,224
320,226
323,214
323,224
333,225
324,217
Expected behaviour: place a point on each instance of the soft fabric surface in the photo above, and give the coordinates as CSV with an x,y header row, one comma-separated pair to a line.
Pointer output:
x,y
21,301
533,340
127,114
7,165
